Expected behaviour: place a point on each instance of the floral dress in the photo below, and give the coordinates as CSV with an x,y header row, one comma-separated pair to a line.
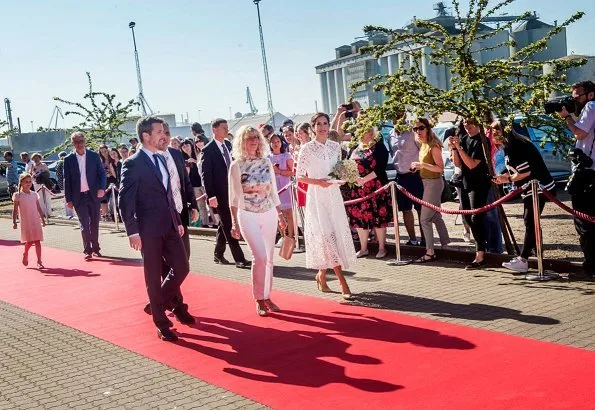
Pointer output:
x,y
376,212
326,228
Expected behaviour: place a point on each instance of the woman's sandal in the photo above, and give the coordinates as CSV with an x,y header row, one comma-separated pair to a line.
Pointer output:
x,y
426,258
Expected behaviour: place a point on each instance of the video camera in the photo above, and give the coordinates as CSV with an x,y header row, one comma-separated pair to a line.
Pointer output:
x,y
556,105
580,159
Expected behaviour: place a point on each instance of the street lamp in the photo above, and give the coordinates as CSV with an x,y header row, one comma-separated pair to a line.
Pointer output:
x,y
265,67
141,97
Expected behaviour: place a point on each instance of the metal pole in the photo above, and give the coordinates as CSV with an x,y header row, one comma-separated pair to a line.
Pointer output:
x,y
114,209
294,211
393,194
541,275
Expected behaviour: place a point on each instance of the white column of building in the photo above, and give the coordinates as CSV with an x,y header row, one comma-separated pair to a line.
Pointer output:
x,y
346,89
332,92
324,91
339,88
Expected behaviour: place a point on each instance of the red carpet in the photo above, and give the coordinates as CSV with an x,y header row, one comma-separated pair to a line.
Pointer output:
x,y
316,354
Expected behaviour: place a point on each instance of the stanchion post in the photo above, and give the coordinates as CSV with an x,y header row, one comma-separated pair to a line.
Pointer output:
x,y
44,200
112,199
541,275
294,211
395,206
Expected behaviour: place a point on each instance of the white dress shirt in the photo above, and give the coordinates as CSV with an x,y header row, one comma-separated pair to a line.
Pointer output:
x,y
82,160
162,167
223,147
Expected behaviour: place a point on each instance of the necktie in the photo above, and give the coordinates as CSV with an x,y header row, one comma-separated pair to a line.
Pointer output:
x,y
156,158
225,155
174,181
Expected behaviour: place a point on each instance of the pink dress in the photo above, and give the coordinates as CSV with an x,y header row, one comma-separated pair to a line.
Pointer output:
x,y
29,216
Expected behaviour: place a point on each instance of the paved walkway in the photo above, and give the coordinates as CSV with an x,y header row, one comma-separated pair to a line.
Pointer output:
x,y
47,365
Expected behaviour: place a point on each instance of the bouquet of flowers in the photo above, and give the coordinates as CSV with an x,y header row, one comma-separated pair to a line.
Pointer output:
x,y
345,170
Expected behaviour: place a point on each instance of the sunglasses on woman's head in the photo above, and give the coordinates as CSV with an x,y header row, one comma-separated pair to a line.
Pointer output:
x,y
420,128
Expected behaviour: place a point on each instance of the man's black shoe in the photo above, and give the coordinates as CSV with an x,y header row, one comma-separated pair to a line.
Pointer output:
x,y
87,256
97,254
184,317
167,335
243,264
220,260
147,310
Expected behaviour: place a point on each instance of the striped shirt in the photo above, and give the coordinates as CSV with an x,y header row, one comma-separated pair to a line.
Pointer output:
x,y
522,157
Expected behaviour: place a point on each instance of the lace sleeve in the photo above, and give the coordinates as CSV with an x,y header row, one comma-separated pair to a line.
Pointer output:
x,y
303,161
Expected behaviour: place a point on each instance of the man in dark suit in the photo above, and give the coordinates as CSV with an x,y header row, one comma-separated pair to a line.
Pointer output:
x,y
84,184
153,223
215,162
186,206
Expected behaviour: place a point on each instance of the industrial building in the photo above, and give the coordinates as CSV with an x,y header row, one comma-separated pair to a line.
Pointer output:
x,y
349,66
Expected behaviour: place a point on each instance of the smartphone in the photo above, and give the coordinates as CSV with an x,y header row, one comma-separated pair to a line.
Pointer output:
x,y
348,107
348,114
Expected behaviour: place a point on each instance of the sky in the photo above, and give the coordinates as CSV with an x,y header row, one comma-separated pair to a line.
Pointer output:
x,y
197,57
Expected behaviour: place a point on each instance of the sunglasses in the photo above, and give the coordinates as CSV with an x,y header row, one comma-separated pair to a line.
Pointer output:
x,y
420,128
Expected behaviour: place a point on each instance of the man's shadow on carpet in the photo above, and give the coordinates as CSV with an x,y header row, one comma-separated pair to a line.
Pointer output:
x,y
308,357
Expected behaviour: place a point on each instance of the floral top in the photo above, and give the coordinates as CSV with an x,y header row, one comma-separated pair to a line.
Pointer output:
x,y
252,185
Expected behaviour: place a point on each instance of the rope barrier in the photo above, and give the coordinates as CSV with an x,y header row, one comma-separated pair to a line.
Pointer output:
x,y
370,196
568,209
460,211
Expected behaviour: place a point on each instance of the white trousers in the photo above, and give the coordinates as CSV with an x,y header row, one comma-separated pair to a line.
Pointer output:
x,y
259,231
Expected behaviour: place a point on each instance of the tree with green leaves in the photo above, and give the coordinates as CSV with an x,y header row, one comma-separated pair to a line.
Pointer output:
x,y
516,86
101,117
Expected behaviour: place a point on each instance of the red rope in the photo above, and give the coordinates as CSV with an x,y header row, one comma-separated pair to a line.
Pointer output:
x,y
367,197
358,200
460,211
568,209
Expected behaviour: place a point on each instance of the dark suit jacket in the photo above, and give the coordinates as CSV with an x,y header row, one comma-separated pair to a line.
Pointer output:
x,y
72,177
146,207
188,197
214,172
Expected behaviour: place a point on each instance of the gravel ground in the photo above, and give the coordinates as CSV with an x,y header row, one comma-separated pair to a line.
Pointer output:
x,y
559,236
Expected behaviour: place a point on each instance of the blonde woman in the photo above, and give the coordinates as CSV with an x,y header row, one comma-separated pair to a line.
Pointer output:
x,y
430,167
255,210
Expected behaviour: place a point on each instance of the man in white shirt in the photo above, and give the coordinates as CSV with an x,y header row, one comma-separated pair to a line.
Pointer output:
x,y
582,185
84,184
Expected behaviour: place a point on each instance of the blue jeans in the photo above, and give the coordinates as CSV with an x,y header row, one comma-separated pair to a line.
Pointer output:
x,y
492,228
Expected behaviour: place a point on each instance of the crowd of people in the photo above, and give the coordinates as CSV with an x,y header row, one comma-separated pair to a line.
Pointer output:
x,y
164,184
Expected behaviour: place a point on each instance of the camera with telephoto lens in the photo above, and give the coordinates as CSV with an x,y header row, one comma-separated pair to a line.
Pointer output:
x,y
583,178
556,105
580,159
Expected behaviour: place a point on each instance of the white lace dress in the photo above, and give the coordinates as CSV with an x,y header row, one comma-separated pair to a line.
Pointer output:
x,y
326,228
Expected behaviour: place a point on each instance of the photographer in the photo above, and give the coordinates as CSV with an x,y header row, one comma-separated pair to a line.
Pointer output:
x,y
582,184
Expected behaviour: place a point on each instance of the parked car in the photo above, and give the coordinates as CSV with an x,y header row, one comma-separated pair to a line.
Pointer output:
x,y
3,182
439,129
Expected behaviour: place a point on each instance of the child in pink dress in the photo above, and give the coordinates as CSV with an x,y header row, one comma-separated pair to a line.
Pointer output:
x,y
26,206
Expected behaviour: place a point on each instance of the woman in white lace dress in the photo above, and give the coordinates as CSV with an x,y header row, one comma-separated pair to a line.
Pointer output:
x,y
326,228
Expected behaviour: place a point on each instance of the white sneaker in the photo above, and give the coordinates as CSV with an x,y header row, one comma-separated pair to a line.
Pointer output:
x,y
518,264
279,243
362,254
467,236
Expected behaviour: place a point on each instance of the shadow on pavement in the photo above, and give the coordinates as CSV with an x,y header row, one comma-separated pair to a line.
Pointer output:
x,y
5,242
314,349
441,308
67,273
302,273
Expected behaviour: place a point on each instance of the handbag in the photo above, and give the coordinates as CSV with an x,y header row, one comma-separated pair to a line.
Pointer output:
x,y
287,246
447,194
